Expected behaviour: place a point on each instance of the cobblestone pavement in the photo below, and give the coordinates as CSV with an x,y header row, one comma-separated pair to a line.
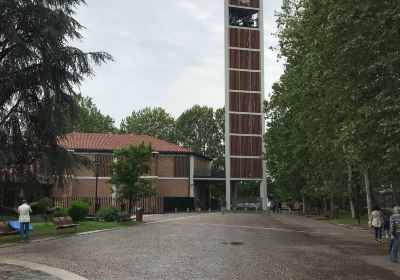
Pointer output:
x,y
218,246
14,272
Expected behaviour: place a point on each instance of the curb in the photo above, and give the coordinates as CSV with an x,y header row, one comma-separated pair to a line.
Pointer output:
x,y
350,227
56,272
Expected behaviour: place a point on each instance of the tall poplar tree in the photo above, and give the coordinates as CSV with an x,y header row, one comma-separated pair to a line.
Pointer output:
x,y
334,112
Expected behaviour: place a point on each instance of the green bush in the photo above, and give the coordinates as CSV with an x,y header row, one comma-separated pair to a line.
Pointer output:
x,y
78,210
108,214
43,207
60,212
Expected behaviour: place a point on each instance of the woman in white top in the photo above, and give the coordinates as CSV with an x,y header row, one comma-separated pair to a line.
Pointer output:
x,y
377,222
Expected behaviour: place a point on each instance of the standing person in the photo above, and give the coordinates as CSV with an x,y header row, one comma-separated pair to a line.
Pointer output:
x,y
279,207
24,219
377,222
273,204
395,233
268,206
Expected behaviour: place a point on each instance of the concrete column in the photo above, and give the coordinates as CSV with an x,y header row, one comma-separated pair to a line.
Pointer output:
x,y
228,193
263,193
191,176
263,185
227,139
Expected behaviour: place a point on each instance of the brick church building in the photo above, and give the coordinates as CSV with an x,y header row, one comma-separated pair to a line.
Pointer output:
x,y
173,168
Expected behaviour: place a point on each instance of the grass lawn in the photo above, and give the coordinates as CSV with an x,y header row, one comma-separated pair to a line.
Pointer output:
x,y
41,230
345,218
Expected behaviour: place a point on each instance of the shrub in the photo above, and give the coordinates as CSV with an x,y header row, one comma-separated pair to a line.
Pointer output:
x,y
43,207
78,210
59,212
108,214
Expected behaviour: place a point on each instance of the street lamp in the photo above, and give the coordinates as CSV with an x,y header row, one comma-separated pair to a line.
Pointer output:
x,y
96,203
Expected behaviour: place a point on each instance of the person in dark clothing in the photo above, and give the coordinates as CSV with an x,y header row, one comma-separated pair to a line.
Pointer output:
x,y
395,234
279,207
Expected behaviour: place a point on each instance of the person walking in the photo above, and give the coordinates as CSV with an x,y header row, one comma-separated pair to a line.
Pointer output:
x,y
24,219
395,234
386,222
377,222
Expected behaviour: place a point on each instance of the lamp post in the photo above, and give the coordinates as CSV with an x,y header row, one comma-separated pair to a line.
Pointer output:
x,y
96,204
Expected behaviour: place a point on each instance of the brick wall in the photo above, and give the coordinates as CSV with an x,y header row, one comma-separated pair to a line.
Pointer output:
x,y
161,165
172,188
165,166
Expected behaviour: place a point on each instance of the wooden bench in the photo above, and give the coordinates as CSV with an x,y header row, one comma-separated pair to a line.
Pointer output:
x,y
64,222
5,229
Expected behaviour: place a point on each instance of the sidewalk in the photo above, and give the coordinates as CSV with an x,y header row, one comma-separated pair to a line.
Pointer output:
x,y
13,270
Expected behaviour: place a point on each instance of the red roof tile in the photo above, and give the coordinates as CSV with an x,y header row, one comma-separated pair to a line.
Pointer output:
x,y
108,142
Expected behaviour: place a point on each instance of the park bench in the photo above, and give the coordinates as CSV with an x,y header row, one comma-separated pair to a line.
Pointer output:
x,y
5,229
64,222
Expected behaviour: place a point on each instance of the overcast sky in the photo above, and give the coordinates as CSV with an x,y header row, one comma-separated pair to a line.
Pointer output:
x,y
168,53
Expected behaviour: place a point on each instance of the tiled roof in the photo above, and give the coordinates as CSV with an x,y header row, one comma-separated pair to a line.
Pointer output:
x,y
108,142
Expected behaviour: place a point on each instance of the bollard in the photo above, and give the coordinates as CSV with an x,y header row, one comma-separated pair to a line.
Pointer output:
x,y
176,210
245,209
222,210
256,209
187,210
209,210
199,209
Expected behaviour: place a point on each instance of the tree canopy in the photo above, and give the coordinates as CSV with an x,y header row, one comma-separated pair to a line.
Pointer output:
x,y
126,169
150,121
199,128
334,112
90,119
39,72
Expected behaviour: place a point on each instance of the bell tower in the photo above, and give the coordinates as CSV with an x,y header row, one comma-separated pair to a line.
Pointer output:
x,y
244,95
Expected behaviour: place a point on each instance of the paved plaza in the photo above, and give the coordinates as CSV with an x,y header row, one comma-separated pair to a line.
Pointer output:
x,y
216,246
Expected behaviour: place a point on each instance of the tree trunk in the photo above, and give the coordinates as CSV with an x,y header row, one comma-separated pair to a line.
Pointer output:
x,y
349,186
368,192
394,191
130,206
350,190
303,197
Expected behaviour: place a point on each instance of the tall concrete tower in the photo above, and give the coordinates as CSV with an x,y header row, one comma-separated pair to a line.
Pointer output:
x,y
244,95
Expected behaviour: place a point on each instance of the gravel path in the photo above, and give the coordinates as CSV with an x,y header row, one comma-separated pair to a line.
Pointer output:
x,y
218,246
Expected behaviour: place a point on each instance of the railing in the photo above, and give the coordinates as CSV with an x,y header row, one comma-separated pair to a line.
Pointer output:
x,y
151,205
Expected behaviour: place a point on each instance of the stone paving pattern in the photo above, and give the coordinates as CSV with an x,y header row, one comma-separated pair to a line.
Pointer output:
x,y
218,246
14,272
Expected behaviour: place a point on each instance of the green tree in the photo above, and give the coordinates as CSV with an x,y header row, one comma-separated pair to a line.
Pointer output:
x,y
333,111
219,157
154,122
39,72
198,129
43,207
126,169
90,119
